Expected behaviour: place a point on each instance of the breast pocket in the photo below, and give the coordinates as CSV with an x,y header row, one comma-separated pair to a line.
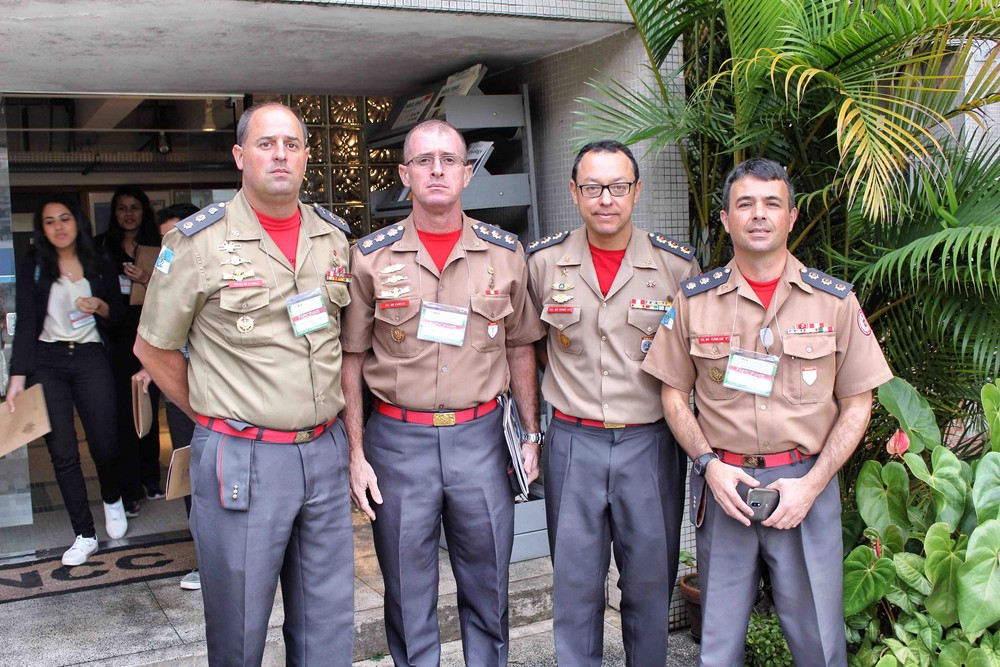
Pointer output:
x,y
486,326
642,325
247,318
808,368
710,354
565,333
395,327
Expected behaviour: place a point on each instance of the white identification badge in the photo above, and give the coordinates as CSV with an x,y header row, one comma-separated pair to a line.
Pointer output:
x,y
79,320
125,283
164,259
307,312
751,371
441,323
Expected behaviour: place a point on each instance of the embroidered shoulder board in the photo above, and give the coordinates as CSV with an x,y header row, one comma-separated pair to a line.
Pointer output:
x,y
546,241
706,281
334,220
829,284
495,235
206,217
380,239
664,242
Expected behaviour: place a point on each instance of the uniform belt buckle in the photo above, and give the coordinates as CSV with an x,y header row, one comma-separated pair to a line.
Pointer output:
x,y
303,436
753,461
613,425
444,418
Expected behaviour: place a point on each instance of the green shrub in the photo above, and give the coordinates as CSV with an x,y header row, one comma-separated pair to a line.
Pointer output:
x,y
766,645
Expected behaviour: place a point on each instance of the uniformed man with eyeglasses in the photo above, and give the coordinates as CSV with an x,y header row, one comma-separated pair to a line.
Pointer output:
x,y
613,475
440,324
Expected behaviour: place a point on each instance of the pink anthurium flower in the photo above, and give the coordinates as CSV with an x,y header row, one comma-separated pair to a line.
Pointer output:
x,y
898,443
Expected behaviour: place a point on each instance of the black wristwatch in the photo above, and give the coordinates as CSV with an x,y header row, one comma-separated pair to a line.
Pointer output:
x,y
702,462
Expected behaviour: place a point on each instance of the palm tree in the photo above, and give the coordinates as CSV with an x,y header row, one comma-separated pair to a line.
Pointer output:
x,y
858,99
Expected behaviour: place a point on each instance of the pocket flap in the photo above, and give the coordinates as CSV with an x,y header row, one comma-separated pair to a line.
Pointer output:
x,y
646,321
713,346
564,317
810,346
243,299
396,311
338,294
493,307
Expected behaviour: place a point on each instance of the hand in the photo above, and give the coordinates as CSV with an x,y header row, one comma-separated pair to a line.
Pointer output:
x,y
143,377
88,304
722,479
363,480
797,497
135,274
530,453
14,389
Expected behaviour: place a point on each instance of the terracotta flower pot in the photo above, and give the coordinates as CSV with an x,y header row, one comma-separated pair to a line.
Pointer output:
x,y
692,598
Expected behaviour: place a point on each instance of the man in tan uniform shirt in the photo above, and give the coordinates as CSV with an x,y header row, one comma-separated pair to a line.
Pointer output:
x,y
613,474
269,461
436,345
784,394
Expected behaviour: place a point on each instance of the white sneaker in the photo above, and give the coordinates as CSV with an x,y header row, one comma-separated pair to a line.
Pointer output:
x,y
114,519
81,550
191,581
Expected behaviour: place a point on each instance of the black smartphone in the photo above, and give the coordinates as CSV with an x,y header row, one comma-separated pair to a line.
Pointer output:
x,y
763,502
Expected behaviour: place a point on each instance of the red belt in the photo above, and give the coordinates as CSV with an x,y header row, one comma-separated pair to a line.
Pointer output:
x,y
589,422
433,418
265,434
762,460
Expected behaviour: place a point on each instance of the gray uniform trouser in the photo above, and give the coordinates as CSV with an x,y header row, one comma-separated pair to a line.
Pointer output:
x,y
807,570
458,474
297,526
622,487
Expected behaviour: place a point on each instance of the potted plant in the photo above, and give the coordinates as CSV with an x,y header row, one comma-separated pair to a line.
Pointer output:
x,y
691,594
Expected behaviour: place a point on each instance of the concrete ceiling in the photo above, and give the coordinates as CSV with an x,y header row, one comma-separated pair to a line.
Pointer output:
x,y
203,47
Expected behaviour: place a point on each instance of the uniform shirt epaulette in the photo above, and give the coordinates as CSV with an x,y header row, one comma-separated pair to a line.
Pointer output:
x,y
334,220
706,281
206,217
495,235
546,241
829,284
380,239
669,244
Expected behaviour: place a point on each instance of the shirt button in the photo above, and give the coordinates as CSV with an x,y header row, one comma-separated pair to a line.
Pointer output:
x,y
441,407
715,349
605,406
441,287
604,338
605,372
604,304
444,369
809,349
561,326
765,444
649,329
763,407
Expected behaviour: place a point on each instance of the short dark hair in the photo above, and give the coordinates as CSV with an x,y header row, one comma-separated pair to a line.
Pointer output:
x,y
45,254
605,146
243,126
758,167
179,211
432,125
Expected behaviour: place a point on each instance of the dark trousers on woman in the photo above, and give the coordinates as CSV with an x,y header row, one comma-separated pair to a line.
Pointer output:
x,y
79,374
140,457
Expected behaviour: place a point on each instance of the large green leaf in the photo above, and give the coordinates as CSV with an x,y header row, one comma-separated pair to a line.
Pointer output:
x,y
910,654
987,653
947,485
866,579
986,488
910,570
944,558
979,579
954,653
913,413
882,494
991,407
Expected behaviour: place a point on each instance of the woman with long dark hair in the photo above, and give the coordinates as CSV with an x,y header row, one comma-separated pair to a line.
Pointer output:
x,y
132,242
67,297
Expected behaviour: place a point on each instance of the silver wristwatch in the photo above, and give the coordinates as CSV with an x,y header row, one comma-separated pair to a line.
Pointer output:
x,y
533,438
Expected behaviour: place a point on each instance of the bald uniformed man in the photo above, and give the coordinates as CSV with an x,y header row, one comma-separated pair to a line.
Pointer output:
x,y
256,285
439,324
783,363
613,474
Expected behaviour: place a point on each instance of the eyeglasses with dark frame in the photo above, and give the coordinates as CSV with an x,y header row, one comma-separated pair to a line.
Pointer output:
x,y
595,190
426,161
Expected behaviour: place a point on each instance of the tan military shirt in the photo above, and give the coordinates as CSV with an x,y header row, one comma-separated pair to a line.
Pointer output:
x,y
597,343
816,366
393,281
246,363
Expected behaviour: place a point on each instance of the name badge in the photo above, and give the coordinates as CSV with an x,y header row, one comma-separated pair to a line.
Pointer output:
x,y
124,283
79,320
307,311
441,323
751,371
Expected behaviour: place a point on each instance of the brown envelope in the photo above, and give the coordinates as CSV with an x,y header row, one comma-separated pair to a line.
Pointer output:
x,y
179,474
142,409
29,421
145,259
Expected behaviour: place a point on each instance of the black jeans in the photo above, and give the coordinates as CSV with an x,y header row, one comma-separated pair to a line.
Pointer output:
x,y
79,375
140,457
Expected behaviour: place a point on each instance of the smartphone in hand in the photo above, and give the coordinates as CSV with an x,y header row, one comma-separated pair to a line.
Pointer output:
x,y
763,502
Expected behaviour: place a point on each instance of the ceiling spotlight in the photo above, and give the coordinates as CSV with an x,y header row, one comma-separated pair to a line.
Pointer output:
x,y
162,143
209,124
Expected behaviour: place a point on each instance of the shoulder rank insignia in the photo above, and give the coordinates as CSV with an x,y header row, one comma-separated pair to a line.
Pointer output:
x,y
546,241
380,239
334,220
706,281
670,245
829,284
495,235
206,217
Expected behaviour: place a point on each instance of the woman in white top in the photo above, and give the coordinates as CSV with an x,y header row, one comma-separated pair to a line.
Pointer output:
x,y
67,296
